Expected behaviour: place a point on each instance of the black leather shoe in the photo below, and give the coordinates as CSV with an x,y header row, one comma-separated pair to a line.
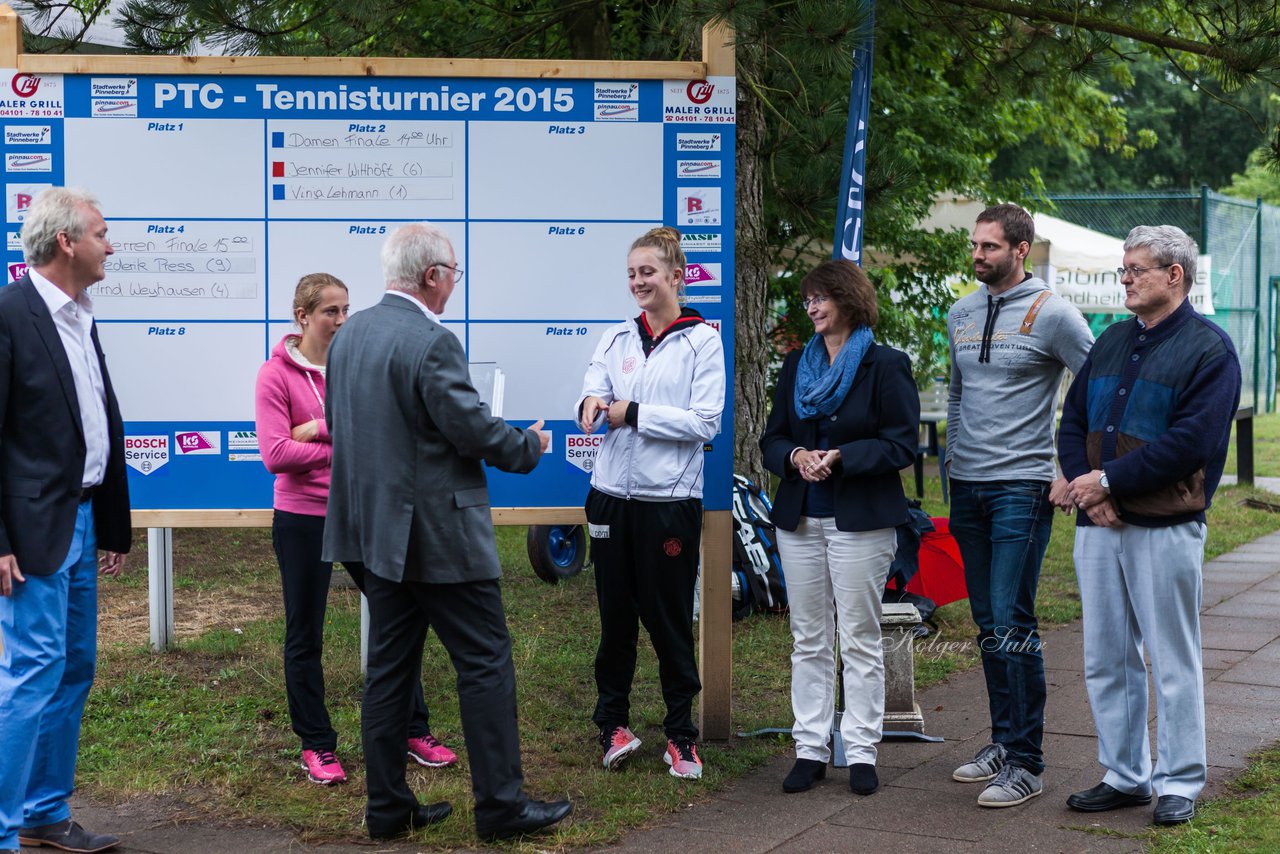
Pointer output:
x,y
1103,797
68,836
804,775
422,816
1174,809
532,817
863,779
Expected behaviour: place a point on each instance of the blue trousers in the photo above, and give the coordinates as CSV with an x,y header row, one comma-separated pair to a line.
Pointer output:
x,y
49,628
1002,528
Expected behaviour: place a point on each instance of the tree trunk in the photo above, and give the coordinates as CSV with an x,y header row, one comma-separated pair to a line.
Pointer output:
x,y
586,26
752,352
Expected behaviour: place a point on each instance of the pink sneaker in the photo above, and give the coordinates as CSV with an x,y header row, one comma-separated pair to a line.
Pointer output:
x,y
618,743
682,756
323,767
427,750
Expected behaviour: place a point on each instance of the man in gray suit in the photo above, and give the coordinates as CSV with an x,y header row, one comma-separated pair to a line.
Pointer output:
x,y
408,499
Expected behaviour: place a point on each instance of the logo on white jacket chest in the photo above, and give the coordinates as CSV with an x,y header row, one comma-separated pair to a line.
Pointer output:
x,y
628,364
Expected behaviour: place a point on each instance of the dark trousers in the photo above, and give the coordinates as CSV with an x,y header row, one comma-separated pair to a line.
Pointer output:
x,y
472,626
646,568
1002,529
304,578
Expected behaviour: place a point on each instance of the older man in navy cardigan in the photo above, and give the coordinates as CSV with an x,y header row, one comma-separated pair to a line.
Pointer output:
x,y
1144,436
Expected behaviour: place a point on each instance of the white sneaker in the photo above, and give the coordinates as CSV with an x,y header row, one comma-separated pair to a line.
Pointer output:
x,y
1012,786
985,765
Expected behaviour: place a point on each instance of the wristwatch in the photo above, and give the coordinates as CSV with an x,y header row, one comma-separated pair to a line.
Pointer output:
x,y
1102,481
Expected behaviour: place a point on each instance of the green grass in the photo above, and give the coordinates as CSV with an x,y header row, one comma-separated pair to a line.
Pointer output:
x,y
1244,821
1266,447
206,726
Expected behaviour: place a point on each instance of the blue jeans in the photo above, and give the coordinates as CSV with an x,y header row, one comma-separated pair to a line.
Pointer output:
x,y
50,629
1002,528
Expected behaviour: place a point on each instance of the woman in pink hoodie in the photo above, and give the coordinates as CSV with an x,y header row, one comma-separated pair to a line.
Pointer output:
x,y
296,448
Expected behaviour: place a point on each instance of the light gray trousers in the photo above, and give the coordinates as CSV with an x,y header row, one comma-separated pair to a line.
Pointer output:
x,y
1141,588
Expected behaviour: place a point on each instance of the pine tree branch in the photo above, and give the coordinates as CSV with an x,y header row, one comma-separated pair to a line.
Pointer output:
x,y
1031,12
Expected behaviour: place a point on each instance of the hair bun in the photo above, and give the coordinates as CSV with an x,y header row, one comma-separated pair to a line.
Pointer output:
x,y
664,232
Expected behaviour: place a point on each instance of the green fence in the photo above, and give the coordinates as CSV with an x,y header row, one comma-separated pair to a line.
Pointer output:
x,y
1241,238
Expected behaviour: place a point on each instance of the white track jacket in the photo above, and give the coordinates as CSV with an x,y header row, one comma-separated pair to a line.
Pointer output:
x,y
680,390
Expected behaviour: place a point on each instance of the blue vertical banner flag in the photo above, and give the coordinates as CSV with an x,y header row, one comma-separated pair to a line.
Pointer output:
x,y
849,211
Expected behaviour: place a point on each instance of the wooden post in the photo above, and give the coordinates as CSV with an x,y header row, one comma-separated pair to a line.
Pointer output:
x,y
10,37
715,634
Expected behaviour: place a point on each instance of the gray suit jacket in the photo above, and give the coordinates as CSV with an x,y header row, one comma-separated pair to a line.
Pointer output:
x,y
409,437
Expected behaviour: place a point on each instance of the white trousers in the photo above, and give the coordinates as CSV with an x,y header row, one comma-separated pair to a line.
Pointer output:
x,y
824,566
1141,588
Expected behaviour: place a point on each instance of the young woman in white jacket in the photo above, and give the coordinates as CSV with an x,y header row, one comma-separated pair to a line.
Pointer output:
x,y
658,381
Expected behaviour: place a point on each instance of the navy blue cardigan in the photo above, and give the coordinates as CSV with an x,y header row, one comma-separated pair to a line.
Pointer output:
x,y
1153,409
876,431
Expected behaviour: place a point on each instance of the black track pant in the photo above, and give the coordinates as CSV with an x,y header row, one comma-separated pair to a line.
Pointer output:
x,y
646,565
305,579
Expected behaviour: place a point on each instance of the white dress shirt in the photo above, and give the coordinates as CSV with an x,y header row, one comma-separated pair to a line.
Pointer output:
x,y
74,322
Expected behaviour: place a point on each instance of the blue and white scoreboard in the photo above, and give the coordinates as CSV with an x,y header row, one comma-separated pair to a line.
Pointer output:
x,y
221,191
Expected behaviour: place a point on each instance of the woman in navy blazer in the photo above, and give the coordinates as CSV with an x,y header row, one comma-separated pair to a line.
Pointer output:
x,y
843,425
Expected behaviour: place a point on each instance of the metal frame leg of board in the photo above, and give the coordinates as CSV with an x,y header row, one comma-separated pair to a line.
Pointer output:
x,y
160,586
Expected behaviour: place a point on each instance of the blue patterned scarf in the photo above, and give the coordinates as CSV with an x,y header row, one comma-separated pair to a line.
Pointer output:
x,y
821,385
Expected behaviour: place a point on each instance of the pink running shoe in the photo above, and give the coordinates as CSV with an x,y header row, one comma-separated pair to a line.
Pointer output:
x,y
682,756
618,743
427,750
323,767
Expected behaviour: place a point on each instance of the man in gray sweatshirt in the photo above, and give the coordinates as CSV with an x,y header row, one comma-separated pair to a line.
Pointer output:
x,y
1010,342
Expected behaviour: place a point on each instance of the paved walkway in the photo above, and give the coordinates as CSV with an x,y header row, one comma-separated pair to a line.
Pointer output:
x,y
919,807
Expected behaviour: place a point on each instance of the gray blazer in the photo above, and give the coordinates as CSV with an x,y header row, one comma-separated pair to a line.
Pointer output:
x,y
409,434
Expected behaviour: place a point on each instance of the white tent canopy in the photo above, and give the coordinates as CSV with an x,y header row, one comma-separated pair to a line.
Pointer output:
x,y
1078,262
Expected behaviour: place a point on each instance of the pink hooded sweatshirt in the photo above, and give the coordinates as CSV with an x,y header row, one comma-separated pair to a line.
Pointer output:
x,y
290,391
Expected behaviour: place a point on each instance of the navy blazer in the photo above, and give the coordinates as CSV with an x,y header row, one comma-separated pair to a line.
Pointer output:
x,y
875,428
42,441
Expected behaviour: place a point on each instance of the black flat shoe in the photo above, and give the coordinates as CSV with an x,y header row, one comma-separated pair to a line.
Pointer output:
x,y
532,817
804,775
863,779
422,816
1103,797
1174,809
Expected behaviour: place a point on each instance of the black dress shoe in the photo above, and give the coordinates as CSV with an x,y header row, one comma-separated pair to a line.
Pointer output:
x,y
1174,809
68,836
804,775
421,816
532,817
863,779
1103,797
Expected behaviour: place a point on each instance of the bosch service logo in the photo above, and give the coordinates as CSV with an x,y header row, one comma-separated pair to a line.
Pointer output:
x,y
25,85
700,91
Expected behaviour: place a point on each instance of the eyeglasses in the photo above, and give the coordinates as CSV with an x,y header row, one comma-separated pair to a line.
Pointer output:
x,y
1135,271
457,272
816,299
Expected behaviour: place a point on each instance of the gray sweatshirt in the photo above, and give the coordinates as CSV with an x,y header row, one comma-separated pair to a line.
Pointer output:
x,y
1004,382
